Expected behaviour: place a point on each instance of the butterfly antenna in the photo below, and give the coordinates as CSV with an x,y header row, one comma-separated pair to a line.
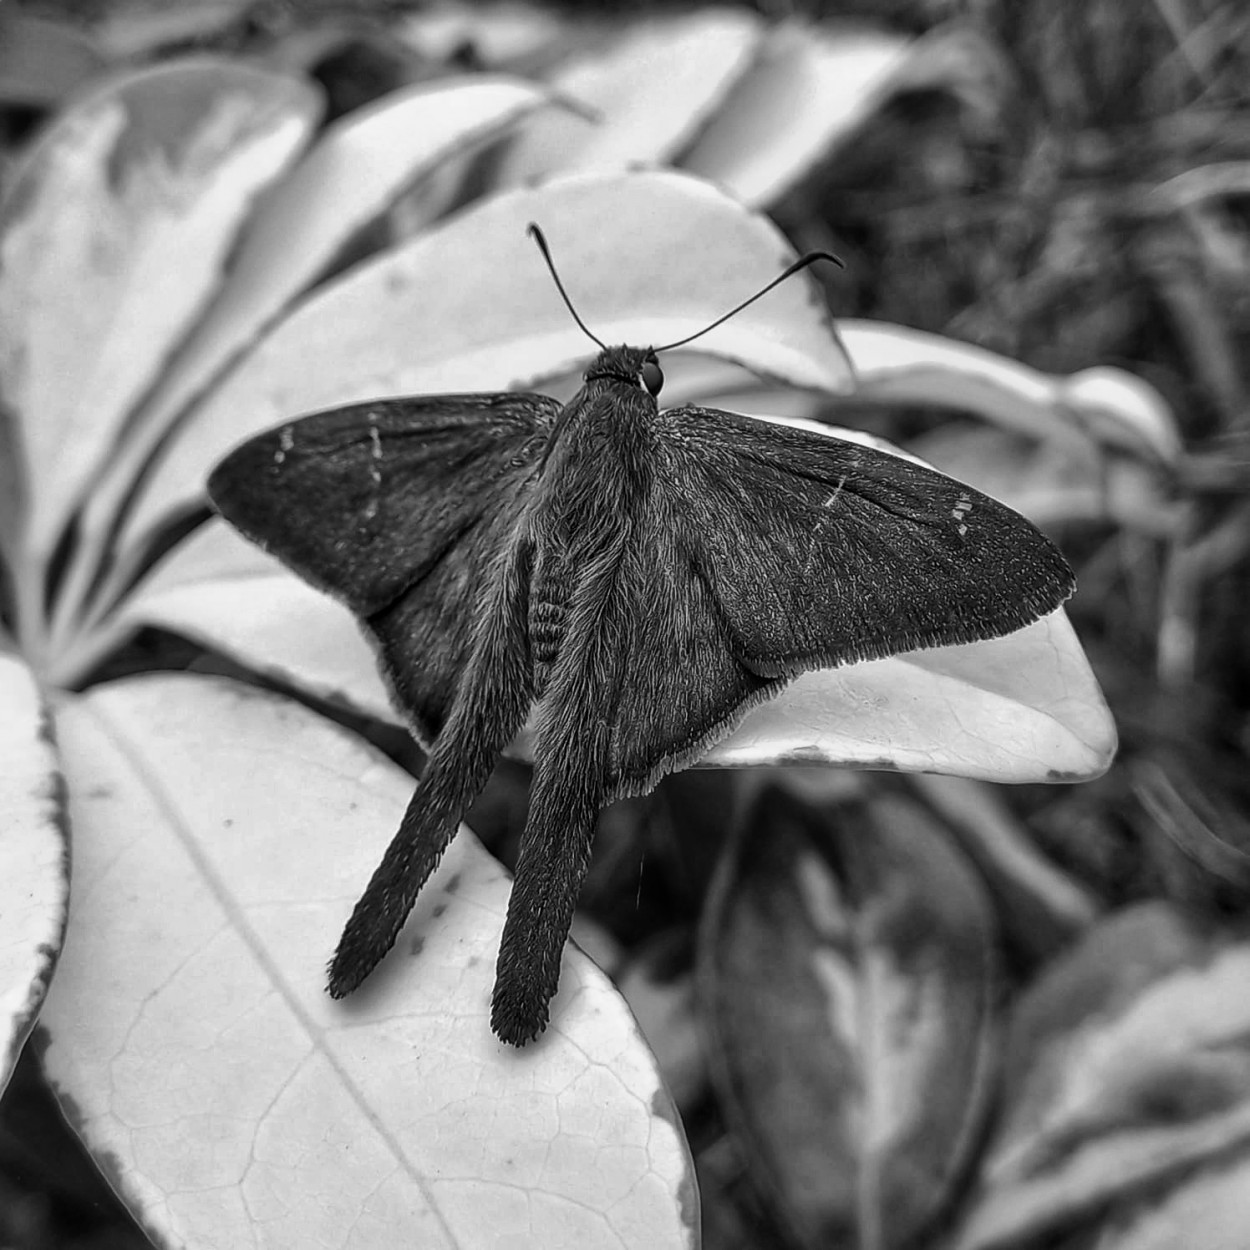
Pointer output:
x,y
537,235
802,263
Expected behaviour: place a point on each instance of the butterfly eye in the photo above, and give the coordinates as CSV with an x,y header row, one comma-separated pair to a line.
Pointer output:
x,y
652,377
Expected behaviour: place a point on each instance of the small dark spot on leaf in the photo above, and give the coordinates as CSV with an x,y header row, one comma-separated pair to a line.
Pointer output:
x,y
418,945
438,910
453,883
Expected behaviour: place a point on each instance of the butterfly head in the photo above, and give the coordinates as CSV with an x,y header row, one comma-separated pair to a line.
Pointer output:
x,y
635,366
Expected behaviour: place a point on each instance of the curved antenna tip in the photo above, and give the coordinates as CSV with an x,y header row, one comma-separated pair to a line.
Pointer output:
x,y
535,233
802,263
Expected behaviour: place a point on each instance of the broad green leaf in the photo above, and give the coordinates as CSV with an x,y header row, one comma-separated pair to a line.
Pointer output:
x,y
34,857
810,89
469,305
651,87
900,365
846,964
1126,1066
112,237
222,836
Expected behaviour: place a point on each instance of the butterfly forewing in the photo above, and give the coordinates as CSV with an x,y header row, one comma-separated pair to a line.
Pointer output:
x,y
819,552
398,508
366,501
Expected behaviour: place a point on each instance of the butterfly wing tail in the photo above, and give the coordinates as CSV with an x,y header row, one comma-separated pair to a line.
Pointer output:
x,y
489,709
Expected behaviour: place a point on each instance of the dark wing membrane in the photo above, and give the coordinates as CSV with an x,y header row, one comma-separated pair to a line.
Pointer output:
x,y
399,508
365,501
819,552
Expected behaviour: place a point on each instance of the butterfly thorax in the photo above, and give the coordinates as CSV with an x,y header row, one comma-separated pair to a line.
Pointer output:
x,y
596,478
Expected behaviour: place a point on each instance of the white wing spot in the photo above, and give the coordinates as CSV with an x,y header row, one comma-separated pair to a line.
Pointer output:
x,y
286,440
961,509
375,472
834,497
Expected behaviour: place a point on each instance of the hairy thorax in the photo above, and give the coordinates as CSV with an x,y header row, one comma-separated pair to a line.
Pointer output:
x,y
593,480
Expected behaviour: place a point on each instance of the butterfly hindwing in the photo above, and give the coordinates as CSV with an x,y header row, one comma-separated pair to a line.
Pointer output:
x,y
818,551
398,508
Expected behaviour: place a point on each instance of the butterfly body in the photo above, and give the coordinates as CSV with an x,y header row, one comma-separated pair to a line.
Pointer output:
x,y
629,580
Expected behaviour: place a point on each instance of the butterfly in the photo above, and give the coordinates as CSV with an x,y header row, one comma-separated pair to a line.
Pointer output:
x,y
627,579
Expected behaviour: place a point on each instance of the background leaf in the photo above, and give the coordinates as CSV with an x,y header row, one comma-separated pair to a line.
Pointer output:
x,y
688,62
1127,1064
348,180
811,87
846,962
1207,1211
899,365
112,237
223,835
42,60
34,857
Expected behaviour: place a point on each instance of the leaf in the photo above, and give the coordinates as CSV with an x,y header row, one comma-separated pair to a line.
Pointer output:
x,y
34,858
224,592
1023,708
112,236
348,179
469,306
846,964
221,837
1041,909
1126,1066
810,90
899,365
42,60
499,35
1056,484
134,30
1212,1208
649,90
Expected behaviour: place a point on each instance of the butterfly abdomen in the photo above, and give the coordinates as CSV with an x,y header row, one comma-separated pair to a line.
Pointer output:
x,y
546,627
